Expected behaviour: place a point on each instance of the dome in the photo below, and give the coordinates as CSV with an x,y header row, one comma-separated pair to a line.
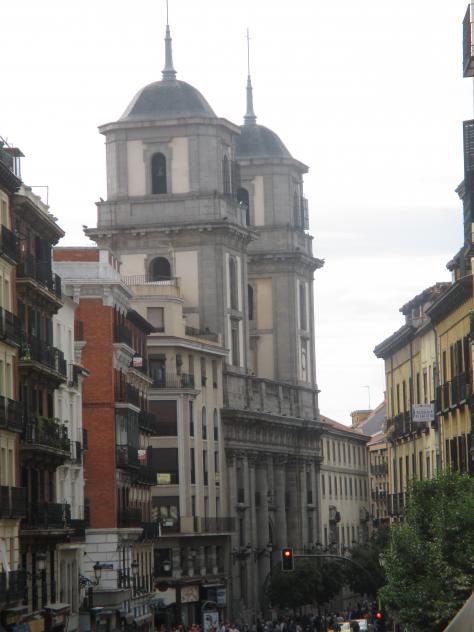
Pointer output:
x,y
257,141
167,99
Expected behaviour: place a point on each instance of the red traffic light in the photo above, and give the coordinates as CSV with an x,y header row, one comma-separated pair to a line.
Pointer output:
x,y
287,561
378,615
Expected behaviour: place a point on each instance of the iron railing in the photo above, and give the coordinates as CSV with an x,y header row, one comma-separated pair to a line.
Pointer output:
x,y
11,414
147,422
32,348
126,456
9,245
171,380
151,530
10,326
127,393
142,279
381,469
30,267
201,333
45,515
12,586
12,502
144,475
131,517
43,431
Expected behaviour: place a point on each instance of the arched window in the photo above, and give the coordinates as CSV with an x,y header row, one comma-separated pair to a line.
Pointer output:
x,y
160,269
226,175
158,173
244,199
204,423
250,301
234,300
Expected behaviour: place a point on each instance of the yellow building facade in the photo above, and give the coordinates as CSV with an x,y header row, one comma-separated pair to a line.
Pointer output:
x,y
410,354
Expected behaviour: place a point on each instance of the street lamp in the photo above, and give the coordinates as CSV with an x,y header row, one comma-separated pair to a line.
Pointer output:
x,y
97,568
166,565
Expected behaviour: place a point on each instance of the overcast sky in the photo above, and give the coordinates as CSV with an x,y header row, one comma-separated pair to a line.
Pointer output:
x,y
368,93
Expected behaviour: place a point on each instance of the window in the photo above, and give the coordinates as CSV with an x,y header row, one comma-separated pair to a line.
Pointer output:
x,y
244,201
155,316
158,174
226,176
216,426
204,423
214,374
323,483
330,485
203,372
193,470
216,462
160,269
204,468
234,296
191,419
235,343
250,302
303,319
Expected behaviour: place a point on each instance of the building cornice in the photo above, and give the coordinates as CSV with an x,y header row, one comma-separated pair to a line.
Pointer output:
x,y
161,341
396,341
460,292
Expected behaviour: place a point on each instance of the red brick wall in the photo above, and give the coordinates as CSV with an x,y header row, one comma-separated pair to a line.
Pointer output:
x,y
99,412
76,254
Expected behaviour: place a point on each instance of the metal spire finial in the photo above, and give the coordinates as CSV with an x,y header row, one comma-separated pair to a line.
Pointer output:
x,y
249,118
169,73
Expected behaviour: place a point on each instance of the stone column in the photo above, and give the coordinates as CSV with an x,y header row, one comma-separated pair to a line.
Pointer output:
x,y
301,471
281,533
294,509
252,578
315,480
263,536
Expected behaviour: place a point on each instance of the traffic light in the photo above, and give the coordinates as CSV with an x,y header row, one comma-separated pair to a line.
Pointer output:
x,y
287,560
379,622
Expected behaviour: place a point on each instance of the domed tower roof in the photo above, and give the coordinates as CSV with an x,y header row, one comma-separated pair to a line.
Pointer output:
x,y
168,98
257,141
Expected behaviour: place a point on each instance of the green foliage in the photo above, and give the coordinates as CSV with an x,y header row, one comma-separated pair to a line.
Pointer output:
x,y
367,556
430,558
312,582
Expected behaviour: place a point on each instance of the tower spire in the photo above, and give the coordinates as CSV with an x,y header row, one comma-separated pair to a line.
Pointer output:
x,y
249,118
169,73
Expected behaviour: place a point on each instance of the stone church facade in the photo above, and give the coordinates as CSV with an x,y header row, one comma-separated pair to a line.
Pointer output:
x,y
220,208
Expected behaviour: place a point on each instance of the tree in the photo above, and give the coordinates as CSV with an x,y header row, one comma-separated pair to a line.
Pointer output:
x,y
367,556
313,581
429,562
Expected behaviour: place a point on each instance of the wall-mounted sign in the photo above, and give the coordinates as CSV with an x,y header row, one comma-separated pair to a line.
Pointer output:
x,y
163,478
189,594
422,413
137,362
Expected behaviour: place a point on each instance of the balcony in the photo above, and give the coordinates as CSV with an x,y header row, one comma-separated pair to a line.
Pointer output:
x,y
44,436
399,425
126,456
214,525
12,502
12,587
45,515
10,327
30,269
35,350
9,245
147,422
128,394
131,517
11,415
201,333
381,469
151,530
460,388
172,380
122,335
73,372
144,475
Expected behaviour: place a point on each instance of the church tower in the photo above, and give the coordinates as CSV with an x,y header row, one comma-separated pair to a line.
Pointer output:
x,y
171,208
280,262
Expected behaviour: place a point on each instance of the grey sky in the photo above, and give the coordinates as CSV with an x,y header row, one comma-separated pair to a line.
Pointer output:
x,y
368,93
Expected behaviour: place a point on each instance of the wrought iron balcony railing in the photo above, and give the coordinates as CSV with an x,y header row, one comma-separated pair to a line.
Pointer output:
x,y
42,431
9,245
30,267
122,334
12,502
214,525
148,422
12,587
126,456
130,517
171,380
11,414
144,475
33,348
45,515
10,327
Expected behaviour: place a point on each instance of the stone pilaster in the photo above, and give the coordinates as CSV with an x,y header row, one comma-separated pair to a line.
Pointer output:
x,y
281,533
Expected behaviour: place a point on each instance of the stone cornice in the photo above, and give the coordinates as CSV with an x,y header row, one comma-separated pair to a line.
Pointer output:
x,y
279,421
159,341
459,293
395,342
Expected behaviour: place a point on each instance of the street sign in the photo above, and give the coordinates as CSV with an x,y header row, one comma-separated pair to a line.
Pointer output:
x,y
422,413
